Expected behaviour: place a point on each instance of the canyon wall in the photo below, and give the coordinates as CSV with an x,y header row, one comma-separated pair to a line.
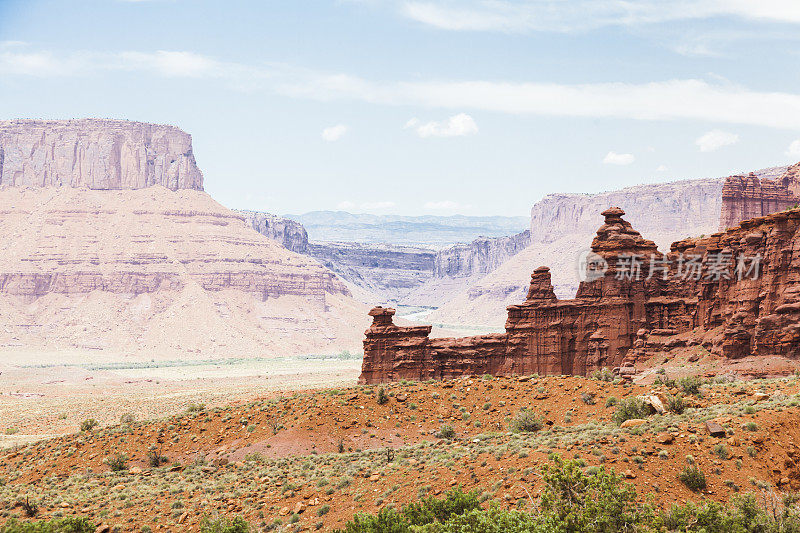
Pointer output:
x,y
745,197
292,235
387,271
480,256
742,299
96,154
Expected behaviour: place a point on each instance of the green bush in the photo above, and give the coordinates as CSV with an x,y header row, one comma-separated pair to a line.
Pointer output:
x,y
576,500
676,404
63,525
693,478
224,525
630,408
118,463
382,397
526,422
89,424
447,432
690,385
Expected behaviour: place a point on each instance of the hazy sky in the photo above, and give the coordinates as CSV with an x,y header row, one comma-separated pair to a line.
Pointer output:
x,y
422,106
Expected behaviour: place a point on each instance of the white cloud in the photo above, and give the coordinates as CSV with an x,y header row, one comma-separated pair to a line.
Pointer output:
x,y
794,149
446,205
166,63
613,158
334,133
687,99
455,126
715,139
661,168
346,205
581,15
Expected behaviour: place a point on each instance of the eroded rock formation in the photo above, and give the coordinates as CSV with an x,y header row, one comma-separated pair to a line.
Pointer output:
x,y
746,197
480,256
292,235
96,154
686,297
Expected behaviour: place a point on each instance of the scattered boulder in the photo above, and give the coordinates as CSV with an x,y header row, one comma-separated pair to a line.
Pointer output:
x,y
715,430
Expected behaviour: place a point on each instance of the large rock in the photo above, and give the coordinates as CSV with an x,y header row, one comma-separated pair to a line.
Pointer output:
x,y
734,310
96,154
745,197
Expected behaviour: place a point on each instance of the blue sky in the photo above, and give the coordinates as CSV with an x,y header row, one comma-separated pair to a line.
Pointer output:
x,y
422,106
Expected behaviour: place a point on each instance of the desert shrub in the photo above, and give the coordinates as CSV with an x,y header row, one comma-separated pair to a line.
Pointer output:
x,y
154,456
526,421
89,424
721,451
751,426
595,500
588,398
603,375
224,525
676,404
576,500
693,478
118,463
431,510
690,385
630,408
127,419
195,407
611,401
323,510
63,525
446,432
382,397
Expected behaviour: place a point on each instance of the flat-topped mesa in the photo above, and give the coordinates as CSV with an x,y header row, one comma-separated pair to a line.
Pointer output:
x,y
746,197
743,299
96,154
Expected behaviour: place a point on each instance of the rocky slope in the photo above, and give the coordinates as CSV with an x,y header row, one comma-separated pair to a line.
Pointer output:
x,y
146,269
562,224
96,154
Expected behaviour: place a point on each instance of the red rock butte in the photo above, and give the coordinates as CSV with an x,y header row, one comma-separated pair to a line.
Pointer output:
x,y
746,197
618,319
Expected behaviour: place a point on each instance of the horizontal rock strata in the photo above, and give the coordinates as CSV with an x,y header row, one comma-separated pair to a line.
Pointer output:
x,y
745,197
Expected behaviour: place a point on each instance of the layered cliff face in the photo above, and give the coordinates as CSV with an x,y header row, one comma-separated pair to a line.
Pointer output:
x,y
736,293
110,244
387,271
292,235
153,270
562,224
745,197
480,256
96,154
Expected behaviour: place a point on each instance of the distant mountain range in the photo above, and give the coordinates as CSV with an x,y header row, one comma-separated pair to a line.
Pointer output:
x,y
429,231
